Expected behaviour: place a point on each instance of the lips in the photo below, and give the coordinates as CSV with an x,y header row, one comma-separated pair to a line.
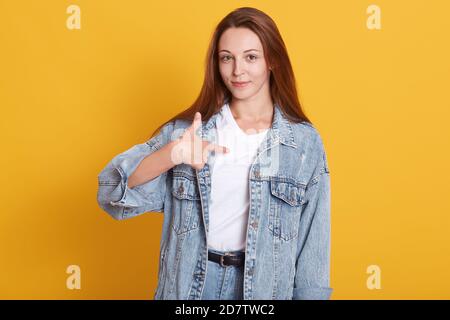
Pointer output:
x,y
240,84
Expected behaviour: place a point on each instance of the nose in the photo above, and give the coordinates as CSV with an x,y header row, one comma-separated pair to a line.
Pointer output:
x,y
237,68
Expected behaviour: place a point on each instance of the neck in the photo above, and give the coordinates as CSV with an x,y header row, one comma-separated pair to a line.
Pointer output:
x,y
252,110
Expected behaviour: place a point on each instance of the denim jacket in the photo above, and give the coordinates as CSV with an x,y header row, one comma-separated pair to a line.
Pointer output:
x,y
288,232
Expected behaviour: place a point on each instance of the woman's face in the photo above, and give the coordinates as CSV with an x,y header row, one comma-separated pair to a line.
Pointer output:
x,y
241,59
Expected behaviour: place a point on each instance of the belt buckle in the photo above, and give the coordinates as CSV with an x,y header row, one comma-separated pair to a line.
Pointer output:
x,y
221,259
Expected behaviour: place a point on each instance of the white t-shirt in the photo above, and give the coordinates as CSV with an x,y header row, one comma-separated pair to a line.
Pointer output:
x,y
229,202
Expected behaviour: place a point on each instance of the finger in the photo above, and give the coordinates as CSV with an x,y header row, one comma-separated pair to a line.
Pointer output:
x,y
197,123
217,148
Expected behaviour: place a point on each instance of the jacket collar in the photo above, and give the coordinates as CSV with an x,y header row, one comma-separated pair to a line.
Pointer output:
x,y
280,131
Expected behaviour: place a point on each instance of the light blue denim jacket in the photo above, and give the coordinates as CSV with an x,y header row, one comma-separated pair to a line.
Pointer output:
x,y
288,232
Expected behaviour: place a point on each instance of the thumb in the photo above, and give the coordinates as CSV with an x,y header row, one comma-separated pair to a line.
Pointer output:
x,y
197,123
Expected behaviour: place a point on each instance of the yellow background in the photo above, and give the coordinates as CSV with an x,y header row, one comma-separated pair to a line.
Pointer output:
x,y
72,99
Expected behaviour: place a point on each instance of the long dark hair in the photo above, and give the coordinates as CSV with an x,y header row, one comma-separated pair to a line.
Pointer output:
x,y
282,80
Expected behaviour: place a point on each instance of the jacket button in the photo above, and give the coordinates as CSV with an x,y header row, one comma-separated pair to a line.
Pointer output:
x,y
254,224
257,174
181,189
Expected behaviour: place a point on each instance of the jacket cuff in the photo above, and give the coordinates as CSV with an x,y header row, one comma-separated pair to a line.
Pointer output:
x,y
322,293
130,198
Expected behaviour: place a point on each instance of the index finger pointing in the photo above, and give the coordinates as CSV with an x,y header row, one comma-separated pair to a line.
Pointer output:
x,y
217,148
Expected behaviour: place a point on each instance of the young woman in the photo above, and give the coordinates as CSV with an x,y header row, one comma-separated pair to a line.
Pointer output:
x,y
241,177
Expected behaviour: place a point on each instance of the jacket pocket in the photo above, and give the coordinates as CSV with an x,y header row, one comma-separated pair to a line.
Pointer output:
x,y
286,203
186,202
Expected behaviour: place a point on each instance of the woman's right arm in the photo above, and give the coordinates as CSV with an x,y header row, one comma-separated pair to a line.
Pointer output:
x,y
134,181
153,165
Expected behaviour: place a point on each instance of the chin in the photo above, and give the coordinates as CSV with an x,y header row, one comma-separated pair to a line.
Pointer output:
x,y
241,95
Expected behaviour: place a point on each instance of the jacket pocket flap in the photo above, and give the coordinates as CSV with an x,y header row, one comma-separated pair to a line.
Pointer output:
x,y
185,187
288,190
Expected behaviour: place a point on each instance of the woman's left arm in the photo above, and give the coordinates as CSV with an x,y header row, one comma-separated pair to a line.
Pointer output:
x,y
312,277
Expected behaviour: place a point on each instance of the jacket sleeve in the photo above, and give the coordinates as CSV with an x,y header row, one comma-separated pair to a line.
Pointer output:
x,y
113,194
312,278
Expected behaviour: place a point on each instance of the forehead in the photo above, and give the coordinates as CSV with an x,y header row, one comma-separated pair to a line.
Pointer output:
x,y
238,40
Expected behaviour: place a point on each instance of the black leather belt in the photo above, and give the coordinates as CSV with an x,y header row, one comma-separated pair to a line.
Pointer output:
x,y
227,259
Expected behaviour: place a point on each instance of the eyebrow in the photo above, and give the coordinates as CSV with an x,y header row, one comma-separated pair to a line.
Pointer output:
x,y
244,51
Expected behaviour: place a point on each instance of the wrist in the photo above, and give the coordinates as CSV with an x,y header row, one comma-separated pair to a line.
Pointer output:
x,y
174,152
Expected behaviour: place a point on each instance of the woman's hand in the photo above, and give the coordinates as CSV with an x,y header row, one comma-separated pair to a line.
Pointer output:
x,y
191,149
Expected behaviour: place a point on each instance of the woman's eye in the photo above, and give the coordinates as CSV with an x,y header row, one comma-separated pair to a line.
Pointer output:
x,y
227,58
